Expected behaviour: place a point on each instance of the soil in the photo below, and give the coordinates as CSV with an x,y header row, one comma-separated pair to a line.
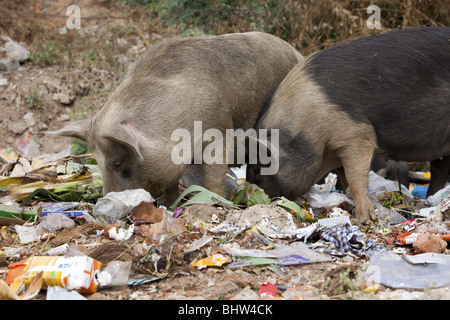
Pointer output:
x,y
40,97
90,64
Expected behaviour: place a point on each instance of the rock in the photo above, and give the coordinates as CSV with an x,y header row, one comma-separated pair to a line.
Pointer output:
x,y
428,242
17,127
347,259
147,212
9,65
17,52
63,117
190,293
63,98
29,119
53,83
3,82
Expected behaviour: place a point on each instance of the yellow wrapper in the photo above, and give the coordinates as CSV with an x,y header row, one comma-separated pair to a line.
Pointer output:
x,y
216,260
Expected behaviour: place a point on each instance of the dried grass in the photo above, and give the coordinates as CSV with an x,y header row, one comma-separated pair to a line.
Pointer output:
x,y
24,21
312,25
309,25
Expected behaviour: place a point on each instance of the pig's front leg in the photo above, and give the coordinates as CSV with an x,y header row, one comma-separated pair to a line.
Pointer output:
x,y
356,160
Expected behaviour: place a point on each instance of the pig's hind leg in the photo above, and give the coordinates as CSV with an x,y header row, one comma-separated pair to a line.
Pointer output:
x,y
440,171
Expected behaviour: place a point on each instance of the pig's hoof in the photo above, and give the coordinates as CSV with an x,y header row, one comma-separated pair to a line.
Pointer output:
x,y
366,216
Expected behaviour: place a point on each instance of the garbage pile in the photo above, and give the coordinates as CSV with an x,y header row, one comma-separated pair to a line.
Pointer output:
x,y
60,239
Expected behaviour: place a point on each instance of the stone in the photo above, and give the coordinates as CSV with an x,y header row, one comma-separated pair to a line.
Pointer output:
x,y
428,242
15,51
147,212
9,65
29,119
63,98
191,293
17,127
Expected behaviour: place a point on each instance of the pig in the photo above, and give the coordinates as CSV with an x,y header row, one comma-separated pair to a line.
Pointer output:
x,y
385,95
397,171
221,82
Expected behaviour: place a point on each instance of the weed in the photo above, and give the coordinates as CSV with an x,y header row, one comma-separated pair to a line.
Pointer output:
x,y
81,110
309,25
32,99
45,53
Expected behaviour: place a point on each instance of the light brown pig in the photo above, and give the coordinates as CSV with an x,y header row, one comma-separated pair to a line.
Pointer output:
x,y
220,81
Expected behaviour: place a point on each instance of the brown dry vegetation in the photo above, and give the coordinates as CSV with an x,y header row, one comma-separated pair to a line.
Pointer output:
x,y
309,25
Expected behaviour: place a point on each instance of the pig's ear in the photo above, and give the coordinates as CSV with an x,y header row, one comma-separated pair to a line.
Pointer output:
x,y
125,136
78,129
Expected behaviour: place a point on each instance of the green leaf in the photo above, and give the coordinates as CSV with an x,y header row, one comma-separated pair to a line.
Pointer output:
x,y
66,187
250,195
258,197
43,194
241,196
292,207
203,196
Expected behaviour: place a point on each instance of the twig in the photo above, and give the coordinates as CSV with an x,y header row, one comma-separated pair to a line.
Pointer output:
x,y
434,23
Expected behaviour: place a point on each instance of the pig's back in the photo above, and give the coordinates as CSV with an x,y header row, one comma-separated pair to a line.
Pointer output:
x,y
223,80
398,82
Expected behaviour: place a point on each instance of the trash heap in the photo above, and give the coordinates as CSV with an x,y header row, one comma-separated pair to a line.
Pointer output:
x,y
60,239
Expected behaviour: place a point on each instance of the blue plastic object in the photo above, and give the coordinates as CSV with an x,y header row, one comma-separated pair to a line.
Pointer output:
x,y
420,192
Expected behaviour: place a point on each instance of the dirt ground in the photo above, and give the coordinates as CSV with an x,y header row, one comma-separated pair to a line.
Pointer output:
x,y
40,97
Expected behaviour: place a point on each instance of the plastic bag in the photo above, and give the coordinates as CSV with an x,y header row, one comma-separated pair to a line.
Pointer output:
x,y
326,199
293,254
115,274
394,271
116,205
379,185
56,221
49,223
435,199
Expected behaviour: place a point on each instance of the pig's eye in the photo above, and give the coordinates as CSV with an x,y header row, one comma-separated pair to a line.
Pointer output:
x,y
123,169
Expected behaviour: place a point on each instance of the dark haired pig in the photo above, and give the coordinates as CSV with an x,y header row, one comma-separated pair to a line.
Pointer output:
x,y
222,81
397,171
385,95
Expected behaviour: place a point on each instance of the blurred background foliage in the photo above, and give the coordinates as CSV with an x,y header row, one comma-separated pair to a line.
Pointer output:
x,y
309,25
